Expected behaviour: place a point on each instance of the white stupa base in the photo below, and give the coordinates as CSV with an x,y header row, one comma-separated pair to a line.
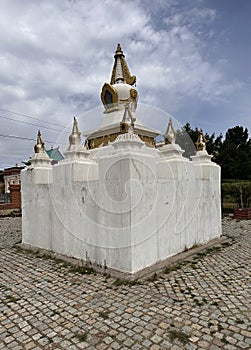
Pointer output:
x,y
127,207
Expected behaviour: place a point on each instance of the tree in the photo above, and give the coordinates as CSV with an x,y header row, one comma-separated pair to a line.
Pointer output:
x,y
234,154
187,137
240,191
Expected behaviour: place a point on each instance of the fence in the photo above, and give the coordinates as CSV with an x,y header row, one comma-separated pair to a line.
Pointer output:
x,y
5,198
11,200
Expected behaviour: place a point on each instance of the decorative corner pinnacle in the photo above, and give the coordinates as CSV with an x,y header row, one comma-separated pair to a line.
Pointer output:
x,y
125,127
170,134
201,142
39,146
75,136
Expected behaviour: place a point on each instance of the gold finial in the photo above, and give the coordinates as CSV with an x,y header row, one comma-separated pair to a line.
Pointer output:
x,y
119,51
170,134
39,146
201,142
120,69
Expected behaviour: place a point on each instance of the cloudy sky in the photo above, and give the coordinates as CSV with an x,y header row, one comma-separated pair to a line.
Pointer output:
x,y
191,59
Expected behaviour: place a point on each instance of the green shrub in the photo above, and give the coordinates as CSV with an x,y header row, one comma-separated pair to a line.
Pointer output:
x,y
240,191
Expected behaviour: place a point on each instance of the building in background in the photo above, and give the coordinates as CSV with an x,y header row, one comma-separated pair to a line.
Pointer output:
x,y
55,155
1,182
10,186
11,176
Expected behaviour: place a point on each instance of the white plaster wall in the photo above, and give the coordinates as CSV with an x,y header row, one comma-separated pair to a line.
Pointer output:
x,y
131,209
36,209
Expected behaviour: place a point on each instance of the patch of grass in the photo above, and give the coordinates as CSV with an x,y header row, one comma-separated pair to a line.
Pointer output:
x,y
11,299
213,250
220,327
5,289
82,270
207,251
239,321
214,303
44,256
198,302
174,267
81,336
153,278
179,335
156,286
55,312
22,250
194,265
107,275
224,340
195,245
226,244
104,314
121,282
201,254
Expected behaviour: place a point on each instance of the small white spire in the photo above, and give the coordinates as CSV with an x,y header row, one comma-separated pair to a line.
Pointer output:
x,y
128,120
74,138
170,134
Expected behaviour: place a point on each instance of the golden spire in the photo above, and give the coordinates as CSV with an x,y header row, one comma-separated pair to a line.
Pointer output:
x,y
201,142
39,146
120,71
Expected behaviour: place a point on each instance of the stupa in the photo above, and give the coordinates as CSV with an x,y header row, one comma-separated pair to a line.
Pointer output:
x,y
119,200
120,99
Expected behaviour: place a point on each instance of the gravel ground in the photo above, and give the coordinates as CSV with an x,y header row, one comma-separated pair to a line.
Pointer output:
x,y
200,305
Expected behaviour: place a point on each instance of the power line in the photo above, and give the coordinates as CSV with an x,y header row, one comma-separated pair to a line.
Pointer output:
x,y
17,137
28,116
2,165
24,122
26,138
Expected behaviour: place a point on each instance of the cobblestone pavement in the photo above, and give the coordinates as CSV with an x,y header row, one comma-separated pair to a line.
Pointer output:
x,y
200,304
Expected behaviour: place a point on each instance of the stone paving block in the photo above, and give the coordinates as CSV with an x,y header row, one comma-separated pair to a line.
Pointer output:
x,y
46,305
